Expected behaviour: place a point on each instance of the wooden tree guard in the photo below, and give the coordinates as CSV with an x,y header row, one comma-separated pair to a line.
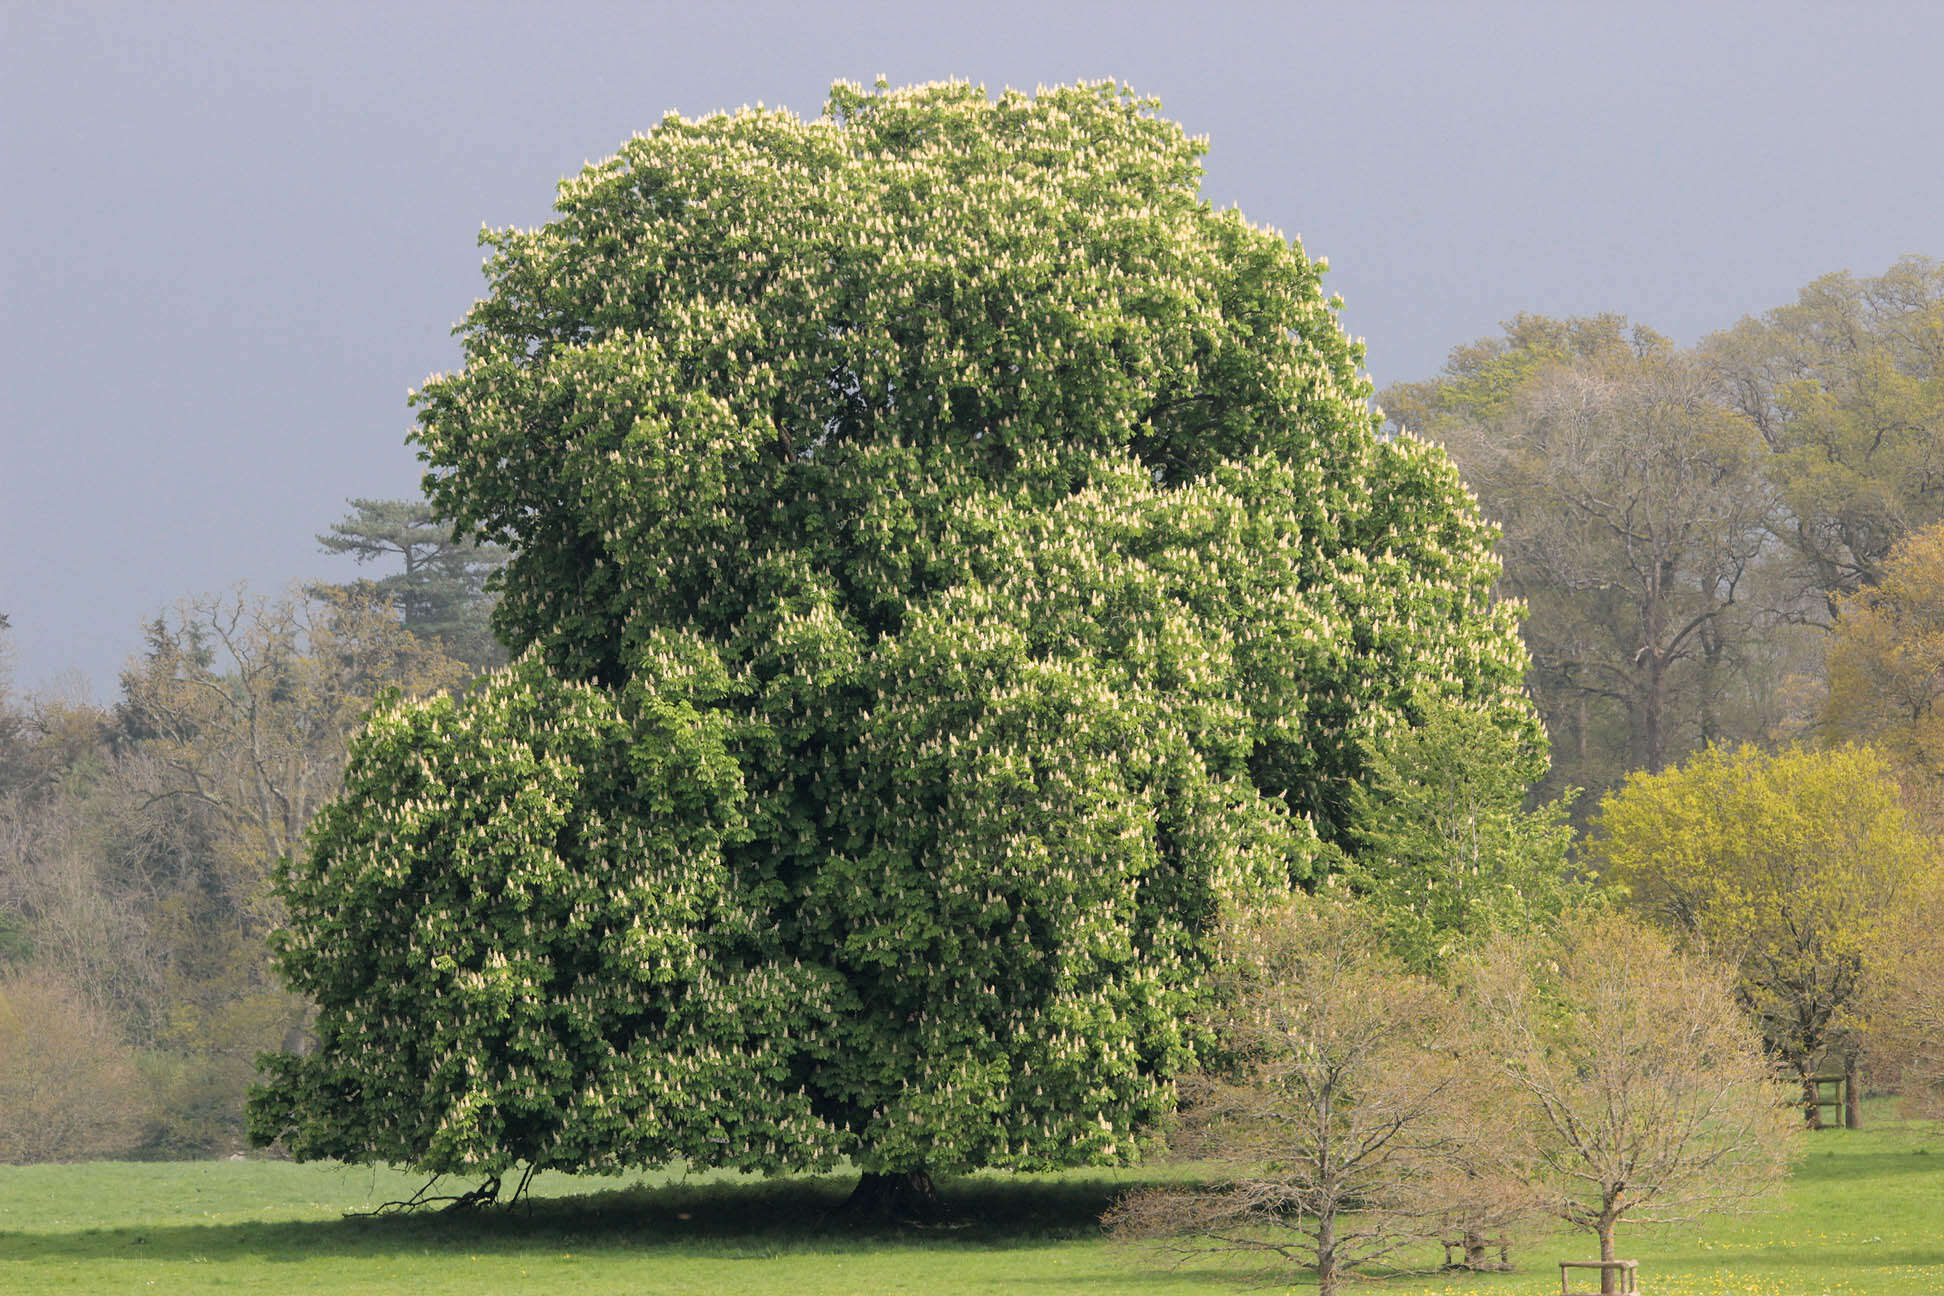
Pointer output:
x,y
1628,1271
1462,1247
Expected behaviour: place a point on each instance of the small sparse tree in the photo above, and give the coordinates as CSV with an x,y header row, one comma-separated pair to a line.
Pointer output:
x,y
1344,1121
1632,1087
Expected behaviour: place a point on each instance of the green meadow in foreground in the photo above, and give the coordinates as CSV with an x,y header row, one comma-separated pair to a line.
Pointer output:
x,y
1865,1215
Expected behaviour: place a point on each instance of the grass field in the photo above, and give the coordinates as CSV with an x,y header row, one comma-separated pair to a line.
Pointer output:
x,y
1864,1217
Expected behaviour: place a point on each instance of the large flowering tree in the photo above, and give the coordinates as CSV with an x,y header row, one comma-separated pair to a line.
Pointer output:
x,y
952,561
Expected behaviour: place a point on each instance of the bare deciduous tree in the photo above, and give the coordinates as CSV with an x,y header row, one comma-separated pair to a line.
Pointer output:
x,y
1636,524
1344,1123
1644,509
1635,1088
86,928
243,706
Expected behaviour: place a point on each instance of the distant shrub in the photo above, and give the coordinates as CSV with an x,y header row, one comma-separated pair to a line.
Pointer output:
x,y
68,1086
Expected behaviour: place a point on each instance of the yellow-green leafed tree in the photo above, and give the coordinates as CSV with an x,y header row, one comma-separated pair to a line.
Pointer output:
x,y
1790,866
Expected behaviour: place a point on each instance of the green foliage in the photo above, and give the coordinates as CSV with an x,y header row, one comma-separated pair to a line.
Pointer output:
x,y
193,1110
951,562
523,945
1790,866
1442,848
16,940
1482,380
1847,385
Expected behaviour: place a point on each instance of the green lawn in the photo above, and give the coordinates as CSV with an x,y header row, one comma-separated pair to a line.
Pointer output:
x,y
1865,1216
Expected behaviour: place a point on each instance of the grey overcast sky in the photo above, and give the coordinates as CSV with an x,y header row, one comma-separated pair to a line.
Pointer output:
x,y
236,234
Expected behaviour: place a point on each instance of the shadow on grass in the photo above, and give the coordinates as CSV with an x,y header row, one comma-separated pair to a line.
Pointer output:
x,y
714,1220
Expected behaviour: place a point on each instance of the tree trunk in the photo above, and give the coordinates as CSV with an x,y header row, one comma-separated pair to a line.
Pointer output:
x,y
1327,1277
906,1197
1852,1101
1474,1249
1653,742
1811,1098
1609,1278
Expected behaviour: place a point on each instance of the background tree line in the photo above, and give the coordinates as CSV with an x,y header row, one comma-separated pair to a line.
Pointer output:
x,y
1688,527
1731,558
137,838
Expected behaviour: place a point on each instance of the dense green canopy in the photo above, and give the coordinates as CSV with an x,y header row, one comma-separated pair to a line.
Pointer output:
x,y
951,561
